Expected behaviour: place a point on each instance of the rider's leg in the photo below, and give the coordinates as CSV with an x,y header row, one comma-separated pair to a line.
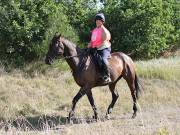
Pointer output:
x,y
105,54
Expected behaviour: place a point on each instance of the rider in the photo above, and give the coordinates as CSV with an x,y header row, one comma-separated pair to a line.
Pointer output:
x,y
100,39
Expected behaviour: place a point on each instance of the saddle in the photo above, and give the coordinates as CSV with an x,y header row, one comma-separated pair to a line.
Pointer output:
x,y
97,59
100,65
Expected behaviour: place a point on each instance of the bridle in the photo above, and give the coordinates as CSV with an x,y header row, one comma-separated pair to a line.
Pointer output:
x,y
67,57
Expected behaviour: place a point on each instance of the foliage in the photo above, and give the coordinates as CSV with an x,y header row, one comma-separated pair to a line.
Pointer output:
x,y
142,28
176,22
81,16
27,25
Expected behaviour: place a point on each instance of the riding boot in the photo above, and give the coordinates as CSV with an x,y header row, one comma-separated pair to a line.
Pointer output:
x,y
105,73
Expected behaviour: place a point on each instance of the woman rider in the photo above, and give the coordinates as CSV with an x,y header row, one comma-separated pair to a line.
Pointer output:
x,y
100,39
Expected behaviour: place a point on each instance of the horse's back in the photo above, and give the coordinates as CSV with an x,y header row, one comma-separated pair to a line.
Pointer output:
x,y
120,63
122,57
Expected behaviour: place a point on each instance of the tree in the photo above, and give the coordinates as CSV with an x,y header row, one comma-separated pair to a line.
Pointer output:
x,y
175,36
81,16
140,27
26,27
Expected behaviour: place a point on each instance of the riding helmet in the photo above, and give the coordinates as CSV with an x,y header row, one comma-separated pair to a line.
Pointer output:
x,y
100,16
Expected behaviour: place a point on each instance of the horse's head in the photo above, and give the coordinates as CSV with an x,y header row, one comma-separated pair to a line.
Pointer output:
x,y
56,48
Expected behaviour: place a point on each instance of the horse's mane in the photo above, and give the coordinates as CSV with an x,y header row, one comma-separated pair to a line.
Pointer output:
x,y
72,45
81,52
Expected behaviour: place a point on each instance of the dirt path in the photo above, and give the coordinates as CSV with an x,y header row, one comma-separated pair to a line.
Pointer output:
x,y
163,121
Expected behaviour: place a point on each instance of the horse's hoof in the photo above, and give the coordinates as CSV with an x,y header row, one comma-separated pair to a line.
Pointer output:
x,y
109,110
69,120
134,115
71,114
107,116
96,118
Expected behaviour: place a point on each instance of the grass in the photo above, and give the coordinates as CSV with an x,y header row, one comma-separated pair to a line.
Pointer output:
x,y
166,69
37,99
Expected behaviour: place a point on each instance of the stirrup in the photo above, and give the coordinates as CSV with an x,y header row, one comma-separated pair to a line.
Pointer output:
x,y
106,79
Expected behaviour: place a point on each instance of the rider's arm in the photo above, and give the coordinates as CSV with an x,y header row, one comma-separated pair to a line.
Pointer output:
x,y
106,36
89,45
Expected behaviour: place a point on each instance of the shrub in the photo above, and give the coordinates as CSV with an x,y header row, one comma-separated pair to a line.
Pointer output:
x,y
26,27
142,28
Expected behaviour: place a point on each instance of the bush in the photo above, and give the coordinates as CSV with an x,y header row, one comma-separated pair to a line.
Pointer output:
x,y
81,16
26,27
142,28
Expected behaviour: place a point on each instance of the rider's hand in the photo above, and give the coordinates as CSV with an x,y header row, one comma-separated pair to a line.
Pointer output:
x,y
89,45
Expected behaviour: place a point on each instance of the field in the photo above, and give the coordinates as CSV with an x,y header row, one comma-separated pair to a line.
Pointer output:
x,y
37,99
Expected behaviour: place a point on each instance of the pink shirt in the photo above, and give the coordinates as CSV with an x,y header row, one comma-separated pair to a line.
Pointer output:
x,y
99,36
96,37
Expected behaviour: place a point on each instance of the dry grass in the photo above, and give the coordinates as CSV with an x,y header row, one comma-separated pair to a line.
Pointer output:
x,y
36,103
166,69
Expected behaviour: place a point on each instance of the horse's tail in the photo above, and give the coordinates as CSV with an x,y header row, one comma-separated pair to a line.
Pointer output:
x,y
138,86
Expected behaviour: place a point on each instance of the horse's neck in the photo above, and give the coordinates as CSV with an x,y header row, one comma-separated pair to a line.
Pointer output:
x,y
71,49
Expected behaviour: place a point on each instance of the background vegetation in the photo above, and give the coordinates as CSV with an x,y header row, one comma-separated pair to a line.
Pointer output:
x,y
145,29
36,98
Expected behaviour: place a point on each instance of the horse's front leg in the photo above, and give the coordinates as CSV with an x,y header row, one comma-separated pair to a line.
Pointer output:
x,y
115,96
91,100
81,93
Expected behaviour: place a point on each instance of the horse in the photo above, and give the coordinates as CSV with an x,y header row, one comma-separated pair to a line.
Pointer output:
x,y
86,74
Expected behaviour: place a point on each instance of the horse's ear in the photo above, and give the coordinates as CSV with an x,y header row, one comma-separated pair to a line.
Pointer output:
x,y
57,35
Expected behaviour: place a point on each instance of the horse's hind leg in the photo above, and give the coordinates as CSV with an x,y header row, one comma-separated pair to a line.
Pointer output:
x,y
81,93
131,83
115,96
91,101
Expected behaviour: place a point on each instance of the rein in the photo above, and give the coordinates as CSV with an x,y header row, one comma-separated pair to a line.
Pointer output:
x,y
69,57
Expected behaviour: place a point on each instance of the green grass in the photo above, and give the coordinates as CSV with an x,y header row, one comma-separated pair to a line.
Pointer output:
x,y
166,69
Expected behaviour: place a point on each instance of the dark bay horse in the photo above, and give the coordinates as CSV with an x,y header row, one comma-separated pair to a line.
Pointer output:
x,y
86,74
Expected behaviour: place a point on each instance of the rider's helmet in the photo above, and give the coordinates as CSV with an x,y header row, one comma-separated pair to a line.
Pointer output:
x,y
100,16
